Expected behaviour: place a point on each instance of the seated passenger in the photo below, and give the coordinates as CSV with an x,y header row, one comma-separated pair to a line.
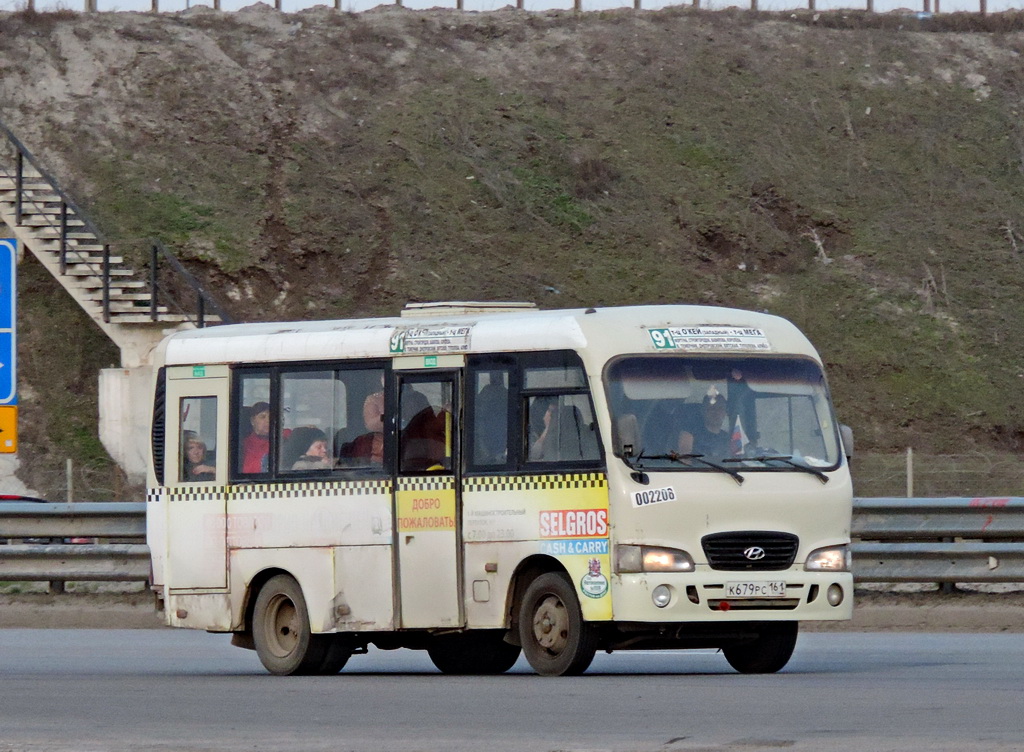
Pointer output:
x,y
711,436
369,446
426,442
256,446
314,456
544,429
196,466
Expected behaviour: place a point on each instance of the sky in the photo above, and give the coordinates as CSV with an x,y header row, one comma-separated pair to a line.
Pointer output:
x,y
881,6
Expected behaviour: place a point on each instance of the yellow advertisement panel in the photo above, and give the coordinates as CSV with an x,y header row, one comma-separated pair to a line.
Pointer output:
x,y
567,516
423,508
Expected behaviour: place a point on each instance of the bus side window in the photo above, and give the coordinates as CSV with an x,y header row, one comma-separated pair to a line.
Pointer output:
x,y
561,429
198,422
559,422
490,418
306,421
253,424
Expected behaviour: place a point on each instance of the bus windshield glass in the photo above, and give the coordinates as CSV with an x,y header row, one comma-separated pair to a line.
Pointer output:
x,y
741,413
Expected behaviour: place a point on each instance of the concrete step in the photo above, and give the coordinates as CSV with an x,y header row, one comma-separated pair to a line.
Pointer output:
x,y
164,319
30,219
92,282
89,271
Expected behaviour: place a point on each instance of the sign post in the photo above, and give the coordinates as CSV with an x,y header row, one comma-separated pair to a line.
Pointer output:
x,y
8,347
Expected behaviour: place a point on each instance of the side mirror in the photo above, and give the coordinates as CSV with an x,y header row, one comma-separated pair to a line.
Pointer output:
x,y
846,434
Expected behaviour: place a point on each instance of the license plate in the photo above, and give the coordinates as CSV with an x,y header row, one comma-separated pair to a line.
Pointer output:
x,y
755,589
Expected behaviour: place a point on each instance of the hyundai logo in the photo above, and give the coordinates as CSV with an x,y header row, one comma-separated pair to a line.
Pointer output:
x,y
754,553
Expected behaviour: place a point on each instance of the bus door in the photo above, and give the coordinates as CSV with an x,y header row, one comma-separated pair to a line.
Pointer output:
x,y
195,473
427,504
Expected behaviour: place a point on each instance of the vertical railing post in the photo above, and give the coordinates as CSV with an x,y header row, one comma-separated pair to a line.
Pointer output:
x,y
19,185
106,283
153,282
201,308
63,237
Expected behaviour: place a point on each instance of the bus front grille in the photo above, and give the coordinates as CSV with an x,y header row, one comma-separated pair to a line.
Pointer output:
x,y
750,551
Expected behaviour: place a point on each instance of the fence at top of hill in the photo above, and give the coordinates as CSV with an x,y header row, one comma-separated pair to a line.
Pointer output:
x,y
921,10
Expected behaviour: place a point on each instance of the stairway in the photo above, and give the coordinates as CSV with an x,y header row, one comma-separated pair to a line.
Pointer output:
x,y
132,309
135,311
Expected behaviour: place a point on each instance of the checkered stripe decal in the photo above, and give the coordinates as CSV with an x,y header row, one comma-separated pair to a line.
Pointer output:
x,y
536,482
272,491
426,484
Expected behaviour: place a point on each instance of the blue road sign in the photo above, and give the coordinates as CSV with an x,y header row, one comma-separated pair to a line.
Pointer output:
x,y
8,321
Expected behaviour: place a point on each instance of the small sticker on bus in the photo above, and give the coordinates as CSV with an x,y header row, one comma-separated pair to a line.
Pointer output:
x,y
653,496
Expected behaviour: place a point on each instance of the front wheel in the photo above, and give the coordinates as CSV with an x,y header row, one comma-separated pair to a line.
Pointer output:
x,y
766,653
280,630
477,652
556,640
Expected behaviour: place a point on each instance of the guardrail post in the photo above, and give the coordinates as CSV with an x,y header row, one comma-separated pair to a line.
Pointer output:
x,y
910,472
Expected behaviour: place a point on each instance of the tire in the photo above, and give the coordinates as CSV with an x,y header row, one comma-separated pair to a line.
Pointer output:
x,y
280,630
768,652
480,652
336,654
556,640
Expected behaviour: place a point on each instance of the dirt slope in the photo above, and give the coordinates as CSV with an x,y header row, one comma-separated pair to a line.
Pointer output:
x,y
860,175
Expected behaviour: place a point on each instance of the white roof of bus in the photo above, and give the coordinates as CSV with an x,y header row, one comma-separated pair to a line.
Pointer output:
x,y
597,333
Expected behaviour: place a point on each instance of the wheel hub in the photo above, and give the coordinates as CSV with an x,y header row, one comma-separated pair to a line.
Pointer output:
x,y
551,624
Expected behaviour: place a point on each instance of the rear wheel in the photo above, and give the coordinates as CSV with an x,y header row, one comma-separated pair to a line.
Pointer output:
x,y
479,652
556,640
766,653
281,631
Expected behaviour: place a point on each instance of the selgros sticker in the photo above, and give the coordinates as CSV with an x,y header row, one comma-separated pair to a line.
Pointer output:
x,y
574,523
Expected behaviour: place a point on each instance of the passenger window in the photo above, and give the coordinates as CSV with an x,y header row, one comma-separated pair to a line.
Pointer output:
x,y
490,417
427,428
309,402
359,419
197,419
253,428
561,429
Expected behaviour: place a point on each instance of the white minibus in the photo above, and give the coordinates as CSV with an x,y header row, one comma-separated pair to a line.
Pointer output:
x,y
481,480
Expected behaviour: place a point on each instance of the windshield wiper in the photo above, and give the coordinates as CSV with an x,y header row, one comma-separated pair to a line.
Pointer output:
x,y
681,459
788,459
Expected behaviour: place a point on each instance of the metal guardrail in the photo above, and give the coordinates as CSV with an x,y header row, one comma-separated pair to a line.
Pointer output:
x,y
124,557
895,540
955,539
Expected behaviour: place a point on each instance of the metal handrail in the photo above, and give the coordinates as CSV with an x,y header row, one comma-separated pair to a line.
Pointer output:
x,y
204,298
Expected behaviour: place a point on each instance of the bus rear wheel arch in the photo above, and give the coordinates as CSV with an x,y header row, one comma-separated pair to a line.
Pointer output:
x,y
556,640
282,637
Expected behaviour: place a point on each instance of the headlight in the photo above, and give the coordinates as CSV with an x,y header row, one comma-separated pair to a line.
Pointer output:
x,y
829,559
651,559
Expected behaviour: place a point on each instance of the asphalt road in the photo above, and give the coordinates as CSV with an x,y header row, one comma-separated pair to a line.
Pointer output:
x,y
95,690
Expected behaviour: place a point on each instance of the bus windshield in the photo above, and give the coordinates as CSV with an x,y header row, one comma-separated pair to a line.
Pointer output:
x,y
697,412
